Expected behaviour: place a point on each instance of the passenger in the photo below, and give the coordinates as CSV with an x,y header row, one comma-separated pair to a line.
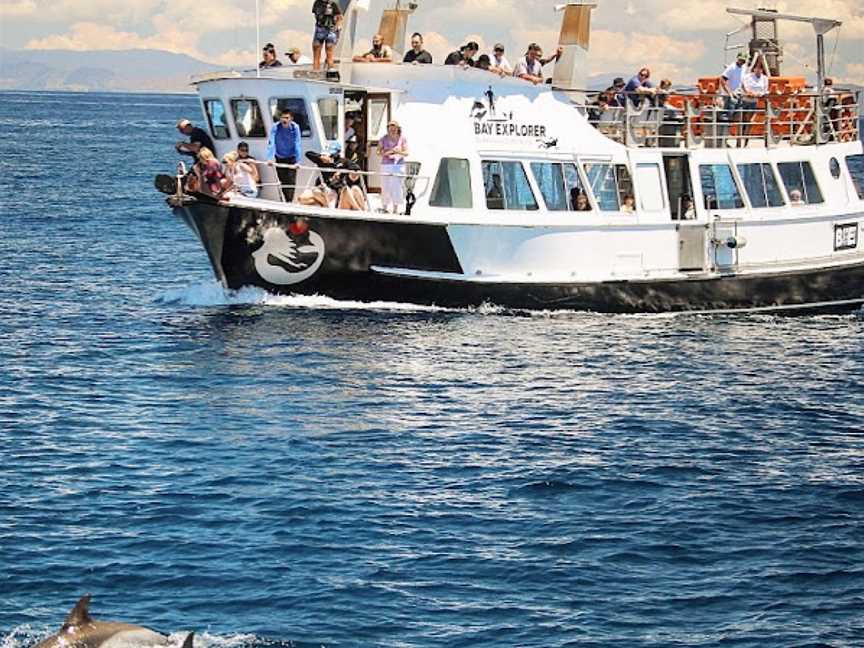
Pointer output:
x,y
380,53
464,56
269,60
283,147
730,82
393,149
581,203
209,173
417,55
295,57
618,99
629,205
322,194
350,132
688,209
830,104
796,197
484,63
239,176
500,64
328,21
639,87
243,156
599,106
661,96
530,68
754,86
352,196
198,139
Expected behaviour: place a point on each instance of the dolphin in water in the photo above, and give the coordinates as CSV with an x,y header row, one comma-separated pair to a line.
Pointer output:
x,y
80,630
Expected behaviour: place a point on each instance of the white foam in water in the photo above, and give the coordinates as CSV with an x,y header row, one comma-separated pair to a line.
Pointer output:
x,y
213,294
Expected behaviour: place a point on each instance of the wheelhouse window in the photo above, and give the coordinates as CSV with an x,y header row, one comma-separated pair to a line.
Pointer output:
x,y
247,118
800,183
452,186
329,110
719,187
855,164
610,183
297,108
560,185
217,119
506,186
761,186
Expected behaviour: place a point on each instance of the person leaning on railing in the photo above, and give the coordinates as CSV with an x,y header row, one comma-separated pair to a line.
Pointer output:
x,y
755,86
283,147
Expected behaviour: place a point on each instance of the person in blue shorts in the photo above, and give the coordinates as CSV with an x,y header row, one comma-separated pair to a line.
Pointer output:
x,y
328,21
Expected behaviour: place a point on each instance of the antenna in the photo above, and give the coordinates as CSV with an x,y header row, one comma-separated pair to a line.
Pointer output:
x,y
257,37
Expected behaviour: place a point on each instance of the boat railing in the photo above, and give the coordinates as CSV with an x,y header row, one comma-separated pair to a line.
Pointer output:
x,y
415,185
687,120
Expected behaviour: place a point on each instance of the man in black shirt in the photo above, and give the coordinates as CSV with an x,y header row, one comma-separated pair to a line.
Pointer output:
x,y
464,56
417,54
198,139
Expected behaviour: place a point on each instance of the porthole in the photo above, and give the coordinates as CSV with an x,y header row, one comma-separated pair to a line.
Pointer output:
x,y
834,165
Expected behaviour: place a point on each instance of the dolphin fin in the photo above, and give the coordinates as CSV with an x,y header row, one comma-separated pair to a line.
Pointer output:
x,y
80,614
187,642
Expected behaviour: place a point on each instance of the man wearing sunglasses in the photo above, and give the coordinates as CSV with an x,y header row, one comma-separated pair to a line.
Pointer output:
x,y
639,87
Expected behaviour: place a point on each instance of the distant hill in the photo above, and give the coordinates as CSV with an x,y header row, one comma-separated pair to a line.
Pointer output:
x,y
104,70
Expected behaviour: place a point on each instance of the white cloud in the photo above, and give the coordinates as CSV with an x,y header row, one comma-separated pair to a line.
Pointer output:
x,y
17,8
854,74
94,36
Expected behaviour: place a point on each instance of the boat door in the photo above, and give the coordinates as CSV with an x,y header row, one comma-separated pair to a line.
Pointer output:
x,y
683,210
377,114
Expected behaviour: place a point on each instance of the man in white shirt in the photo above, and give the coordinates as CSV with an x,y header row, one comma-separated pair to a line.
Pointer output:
x,y
500,64
530,68
754,86
295,57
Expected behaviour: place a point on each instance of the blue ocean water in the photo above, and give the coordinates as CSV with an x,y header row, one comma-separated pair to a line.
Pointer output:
x,y
277,471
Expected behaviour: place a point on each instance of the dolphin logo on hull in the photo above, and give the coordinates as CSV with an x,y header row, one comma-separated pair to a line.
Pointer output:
x,y
282,262
80,630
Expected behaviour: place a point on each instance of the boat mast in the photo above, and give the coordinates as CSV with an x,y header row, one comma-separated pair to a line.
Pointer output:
x,y
820,25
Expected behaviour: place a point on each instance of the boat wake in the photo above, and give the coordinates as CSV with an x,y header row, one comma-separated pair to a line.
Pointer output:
x,y
26,636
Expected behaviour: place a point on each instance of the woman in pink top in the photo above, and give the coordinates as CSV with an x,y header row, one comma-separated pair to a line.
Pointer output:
x,y
393,149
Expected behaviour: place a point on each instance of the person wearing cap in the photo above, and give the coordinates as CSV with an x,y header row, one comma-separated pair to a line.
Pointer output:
x,y
393,149
499,62
530,68
269,59
283,148
617,92
730,88
464,56
328,22
244,156
328,184
198,139
417,55
295,57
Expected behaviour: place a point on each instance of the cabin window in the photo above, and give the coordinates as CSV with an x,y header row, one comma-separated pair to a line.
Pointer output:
x,y
329,110
297,108
610,184
506,186
217,118
575,187
560,185
452,186
719,188
855,164
800,183
247,118
650,187
761,186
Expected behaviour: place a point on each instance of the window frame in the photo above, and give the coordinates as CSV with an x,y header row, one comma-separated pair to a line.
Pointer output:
x,y
735,183
762,169
640,193
274,118
231,102
525,176
859,187
204,102
615,168
800,164
435,185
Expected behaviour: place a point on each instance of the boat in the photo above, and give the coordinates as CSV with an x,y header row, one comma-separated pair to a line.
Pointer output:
x,y
731,212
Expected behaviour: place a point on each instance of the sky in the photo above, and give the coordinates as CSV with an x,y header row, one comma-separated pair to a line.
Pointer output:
x,y
678,39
